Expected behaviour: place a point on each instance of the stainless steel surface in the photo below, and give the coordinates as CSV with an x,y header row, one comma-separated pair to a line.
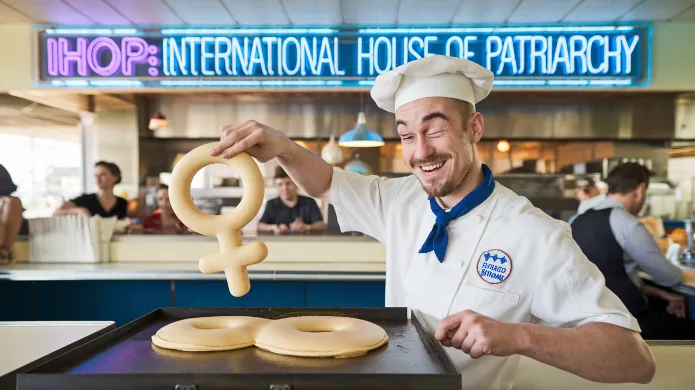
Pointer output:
x,y
299,118
688,255
511,116
685,117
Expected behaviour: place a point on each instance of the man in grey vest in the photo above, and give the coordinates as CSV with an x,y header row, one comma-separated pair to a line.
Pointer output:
x,y
614,239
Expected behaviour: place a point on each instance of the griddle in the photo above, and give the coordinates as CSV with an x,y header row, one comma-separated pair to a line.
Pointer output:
x,y
126,358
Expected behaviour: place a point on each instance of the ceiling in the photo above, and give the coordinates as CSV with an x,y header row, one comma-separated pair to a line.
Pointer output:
x,y
336,12
15,112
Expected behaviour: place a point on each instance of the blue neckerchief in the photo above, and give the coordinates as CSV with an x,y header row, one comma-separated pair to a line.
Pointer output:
x,y
438,239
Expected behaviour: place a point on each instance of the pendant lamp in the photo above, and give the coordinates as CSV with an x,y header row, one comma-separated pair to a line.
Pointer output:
x,y
332,153
361,136
158,122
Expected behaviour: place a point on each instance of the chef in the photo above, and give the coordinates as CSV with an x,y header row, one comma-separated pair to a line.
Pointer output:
x,y
492,276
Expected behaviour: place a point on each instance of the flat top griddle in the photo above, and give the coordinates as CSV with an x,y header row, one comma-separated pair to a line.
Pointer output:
x,y
126,357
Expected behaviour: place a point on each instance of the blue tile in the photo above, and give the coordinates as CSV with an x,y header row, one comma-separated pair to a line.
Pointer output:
x,y
215,293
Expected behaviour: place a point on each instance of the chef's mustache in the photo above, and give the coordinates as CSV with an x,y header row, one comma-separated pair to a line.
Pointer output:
x,y
432,158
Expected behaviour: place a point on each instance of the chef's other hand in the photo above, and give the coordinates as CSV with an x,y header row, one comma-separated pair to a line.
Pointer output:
x,y
477,335
298,226
258,140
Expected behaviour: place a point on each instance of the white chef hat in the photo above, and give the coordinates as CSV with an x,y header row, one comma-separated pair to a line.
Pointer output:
x,y
432,76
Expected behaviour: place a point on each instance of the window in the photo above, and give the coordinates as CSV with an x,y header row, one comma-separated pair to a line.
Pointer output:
x,y
45,164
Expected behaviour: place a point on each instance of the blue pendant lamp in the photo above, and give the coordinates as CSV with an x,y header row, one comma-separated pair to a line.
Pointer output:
x,y
361,136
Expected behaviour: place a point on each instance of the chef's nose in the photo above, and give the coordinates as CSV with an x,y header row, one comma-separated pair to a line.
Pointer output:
x,y
423,148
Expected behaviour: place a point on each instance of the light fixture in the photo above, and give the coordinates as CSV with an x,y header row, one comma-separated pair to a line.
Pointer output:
x,y
361,136
332,153
158,122
503,146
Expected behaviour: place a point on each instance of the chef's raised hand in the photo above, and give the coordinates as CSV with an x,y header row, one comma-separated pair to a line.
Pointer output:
x,y
478,335
260,141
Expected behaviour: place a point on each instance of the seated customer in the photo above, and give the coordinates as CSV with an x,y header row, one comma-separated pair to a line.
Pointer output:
x,y
10,215
614,239
588,196
290,212
104,203
163,220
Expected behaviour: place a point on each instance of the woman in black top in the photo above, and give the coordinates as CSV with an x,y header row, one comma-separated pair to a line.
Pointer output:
x,y
104,203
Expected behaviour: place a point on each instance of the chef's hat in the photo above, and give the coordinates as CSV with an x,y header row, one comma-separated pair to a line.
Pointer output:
x,y
432,76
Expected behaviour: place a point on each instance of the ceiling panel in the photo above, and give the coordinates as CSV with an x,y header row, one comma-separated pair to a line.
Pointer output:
x,y
99,12
657,10
427,12
370,12
257,12
146,12
601,10
313,12
201,12
687,16
49,11
8,15
542,11
478,12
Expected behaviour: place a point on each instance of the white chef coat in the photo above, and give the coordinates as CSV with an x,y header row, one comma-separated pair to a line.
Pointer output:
x,y
549,281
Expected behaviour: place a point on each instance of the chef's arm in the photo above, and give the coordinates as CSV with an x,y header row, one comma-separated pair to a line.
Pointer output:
x,y
311,173
596,351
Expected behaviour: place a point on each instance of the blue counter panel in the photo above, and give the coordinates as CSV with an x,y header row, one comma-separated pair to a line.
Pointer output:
x,y
125,300
100,300
16,301
345,294
215,293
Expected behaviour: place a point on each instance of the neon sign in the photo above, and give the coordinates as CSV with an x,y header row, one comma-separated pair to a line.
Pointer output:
x,y
534,56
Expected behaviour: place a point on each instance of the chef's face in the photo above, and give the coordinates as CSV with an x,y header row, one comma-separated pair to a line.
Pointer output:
x,y
438,137
286,188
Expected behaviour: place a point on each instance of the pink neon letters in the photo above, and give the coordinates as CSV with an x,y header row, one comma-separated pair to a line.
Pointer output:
x,y
84,56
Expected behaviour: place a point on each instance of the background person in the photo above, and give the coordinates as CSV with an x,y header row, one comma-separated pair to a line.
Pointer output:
x,y
163,220
10,215
103,203
614,239
290,212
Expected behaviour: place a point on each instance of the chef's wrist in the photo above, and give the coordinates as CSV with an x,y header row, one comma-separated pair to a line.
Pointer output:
x,y
523,338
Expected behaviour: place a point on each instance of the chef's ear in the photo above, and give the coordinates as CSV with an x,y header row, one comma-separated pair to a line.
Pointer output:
x,y
476,127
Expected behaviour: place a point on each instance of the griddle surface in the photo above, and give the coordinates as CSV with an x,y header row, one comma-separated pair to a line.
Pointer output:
x,y
405,353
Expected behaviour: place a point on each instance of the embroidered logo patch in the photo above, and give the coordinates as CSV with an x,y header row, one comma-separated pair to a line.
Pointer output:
x,y
494,266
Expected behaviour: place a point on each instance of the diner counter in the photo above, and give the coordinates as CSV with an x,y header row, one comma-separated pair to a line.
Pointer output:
x,y
167,255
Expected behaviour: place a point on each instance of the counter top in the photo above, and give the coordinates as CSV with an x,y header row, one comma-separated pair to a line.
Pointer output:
x,y
167,271
687,286
323,237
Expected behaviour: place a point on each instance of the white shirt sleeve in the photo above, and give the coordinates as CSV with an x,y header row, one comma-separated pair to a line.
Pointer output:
x,y
571,291
362,203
